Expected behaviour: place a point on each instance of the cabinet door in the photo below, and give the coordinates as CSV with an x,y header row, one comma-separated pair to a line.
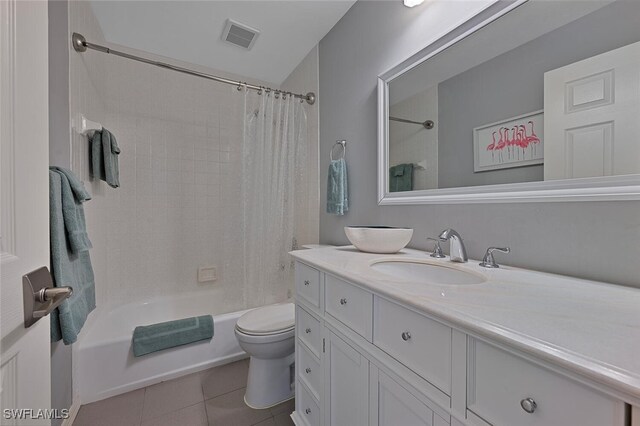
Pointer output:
x,y
346,384
391,404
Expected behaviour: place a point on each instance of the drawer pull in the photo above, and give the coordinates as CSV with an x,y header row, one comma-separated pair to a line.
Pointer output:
x,y
308,330
307,370
308,411
406,335
343,301
306,282
528,405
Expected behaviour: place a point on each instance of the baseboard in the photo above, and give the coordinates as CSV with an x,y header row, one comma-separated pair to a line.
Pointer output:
x,y
73,412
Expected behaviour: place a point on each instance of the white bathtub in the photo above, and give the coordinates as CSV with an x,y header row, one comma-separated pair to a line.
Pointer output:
x,y
104,361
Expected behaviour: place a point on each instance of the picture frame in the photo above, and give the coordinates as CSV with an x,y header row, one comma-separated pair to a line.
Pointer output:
x,y
514,142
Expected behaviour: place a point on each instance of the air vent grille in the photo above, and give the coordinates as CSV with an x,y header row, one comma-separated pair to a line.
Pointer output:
x,y
240,34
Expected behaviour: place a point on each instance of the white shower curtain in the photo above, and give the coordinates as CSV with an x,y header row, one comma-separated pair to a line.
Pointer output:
x,y
274,154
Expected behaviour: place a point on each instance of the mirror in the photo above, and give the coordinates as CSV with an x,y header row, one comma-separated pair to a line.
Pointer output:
x,y
540,103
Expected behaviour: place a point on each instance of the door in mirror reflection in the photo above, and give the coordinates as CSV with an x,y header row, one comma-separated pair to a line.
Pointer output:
x,y
593,116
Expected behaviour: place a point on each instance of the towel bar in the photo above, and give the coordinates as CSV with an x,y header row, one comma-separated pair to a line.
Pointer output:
x,y
85,126
343,144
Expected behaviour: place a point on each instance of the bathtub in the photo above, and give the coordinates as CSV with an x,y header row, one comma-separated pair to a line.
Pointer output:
x,y
104,361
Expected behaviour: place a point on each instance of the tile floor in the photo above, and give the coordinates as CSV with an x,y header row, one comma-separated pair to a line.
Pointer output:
x,y
212,397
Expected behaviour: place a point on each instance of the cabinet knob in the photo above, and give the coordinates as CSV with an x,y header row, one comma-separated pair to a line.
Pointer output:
x,y
308,330
343,301
307,370
308,411
306,282
528,405
406,335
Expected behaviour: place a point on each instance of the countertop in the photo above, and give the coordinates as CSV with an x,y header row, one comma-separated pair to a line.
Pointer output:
x,y
587,327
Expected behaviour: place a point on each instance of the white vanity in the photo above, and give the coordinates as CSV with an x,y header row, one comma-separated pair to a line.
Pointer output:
x,y
512,347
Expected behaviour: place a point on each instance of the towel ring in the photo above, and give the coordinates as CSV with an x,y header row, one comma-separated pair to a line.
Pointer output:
x,y
343,144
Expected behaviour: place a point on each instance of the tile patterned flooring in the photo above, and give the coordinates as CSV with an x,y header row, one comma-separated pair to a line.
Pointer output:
x,y
212,397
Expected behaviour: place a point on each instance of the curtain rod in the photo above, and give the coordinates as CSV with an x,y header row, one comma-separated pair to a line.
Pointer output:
x,y
427,124
80,44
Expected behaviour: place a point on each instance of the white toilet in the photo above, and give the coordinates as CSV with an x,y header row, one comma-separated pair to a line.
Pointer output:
x,y
267,335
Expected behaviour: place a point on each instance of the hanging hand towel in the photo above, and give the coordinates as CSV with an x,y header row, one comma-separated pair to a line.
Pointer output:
x,y
104,158
401,178
70,261
337,189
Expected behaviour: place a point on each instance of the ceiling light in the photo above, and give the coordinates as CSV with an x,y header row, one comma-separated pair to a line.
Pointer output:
x,y
412,3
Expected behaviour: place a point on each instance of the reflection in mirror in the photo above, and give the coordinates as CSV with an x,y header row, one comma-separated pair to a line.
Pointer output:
x,y
549,91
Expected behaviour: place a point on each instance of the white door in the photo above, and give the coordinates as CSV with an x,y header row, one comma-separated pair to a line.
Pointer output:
x,y
592,116
24,205
346,384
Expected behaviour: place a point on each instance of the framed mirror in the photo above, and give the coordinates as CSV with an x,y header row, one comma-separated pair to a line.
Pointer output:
x,y
538,101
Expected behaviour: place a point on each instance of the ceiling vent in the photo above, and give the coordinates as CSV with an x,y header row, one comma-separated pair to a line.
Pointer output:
x,y
239,34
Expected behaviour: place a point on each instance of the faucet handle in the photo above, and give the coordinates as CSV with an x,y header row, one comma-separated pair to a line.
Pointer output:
x,y
437,250
488,261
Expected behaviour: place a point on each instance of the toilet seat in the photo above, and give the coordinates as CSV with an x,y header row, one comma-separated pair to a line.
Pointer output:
x,y
268,320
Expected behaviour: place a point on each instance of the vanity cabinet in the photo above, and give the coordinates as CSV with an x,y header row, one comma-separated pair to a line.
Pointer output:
x,y
365,359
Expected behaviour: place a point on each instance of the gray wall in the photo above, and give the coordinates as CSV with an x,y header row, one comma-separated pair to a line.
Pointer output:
x,y
593,240
513,84
59,155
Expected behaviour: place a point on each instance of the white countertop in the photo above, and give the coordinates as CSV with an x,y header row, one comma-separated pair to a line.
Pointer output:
x,y
587,327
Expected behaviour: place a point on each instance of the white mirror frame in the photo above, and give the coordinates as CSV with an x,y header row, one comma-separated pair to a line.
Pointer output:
x,y
609,188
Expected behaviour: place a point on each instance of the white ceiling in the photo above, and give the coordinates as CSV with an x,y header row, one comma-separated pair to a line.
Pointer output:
x,y
190,31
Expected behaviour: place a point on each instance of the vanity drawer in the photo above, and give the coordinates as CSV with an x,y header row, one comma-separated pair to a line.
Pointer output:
x,y
499,383
308,330
420,343
349,304
308,284
309,371
306,407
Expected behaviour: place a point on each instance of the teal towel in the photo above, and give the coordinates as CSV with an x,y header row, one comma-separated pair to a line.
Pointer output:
x,y
164,335
73,195
401,178
70,260
104,158
337,188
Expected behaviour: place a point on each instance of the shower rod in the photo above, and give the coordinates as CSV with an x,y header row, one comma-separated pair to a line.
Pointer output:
x,y
427,124
80,44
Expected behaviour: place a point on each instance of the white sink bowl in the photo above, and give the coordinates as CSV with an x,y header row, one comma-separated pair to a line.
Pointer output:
x,y
428,273
378,239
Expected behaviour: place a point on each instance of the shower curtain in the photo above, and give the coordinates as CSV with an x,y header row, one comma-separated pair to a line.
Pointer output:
x,y
274,154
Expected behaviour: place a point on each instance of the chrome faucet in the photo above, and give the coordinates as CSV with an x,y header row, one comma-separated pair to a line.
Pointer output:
x,y
457,251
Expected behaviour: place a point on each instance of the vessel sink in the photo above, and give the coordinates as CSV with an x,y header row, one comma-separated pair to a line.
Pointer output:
x,y
428,273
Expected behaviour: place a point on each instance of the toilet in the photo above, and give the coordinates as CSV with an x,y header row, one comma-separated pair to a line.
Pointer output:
x,y
267,334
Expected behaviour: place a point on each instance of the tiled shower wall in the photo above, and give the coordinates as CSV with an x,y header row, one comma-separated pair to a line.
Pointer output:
x,y
179,204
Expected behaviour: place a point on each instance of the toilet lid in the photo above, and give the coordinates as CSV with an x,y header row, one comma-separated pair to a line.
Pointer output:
x,y
269,319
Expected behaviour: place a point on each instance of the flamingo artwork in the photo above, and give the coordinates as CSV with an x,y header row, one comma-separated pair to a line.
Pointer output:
x,y
492,146
533,138
510,143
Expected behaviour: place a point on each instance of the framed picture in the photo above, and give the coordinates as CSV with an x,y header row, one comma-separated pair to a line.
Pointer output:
x,y
515,142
